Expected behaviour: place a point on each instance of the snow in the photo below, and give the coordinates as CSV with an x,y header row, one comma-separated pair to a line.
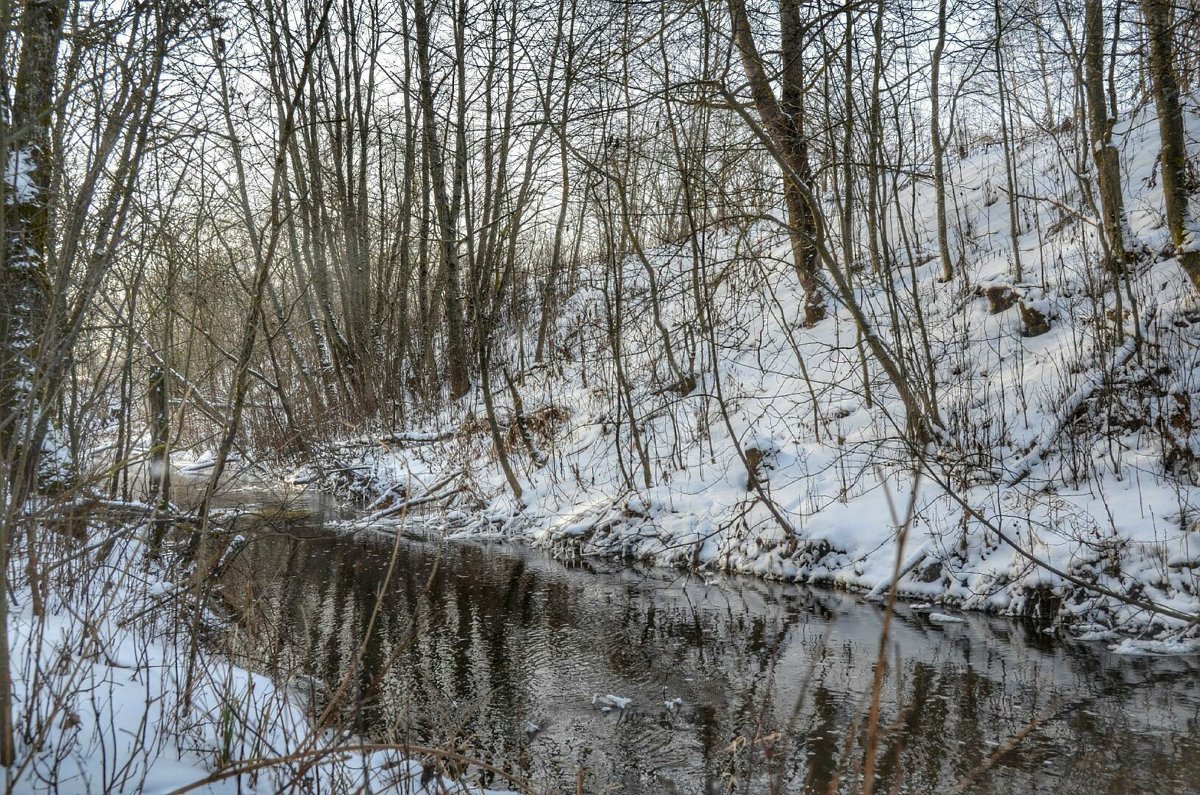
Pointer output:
x,y
1156,647
610,701
943,618
18,175
1079,444
101,680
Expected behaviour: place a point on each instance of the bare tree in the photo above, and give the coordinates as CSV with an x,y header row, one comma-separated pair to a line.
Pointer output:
x,y
24,291
1173,150
1100,128
783,119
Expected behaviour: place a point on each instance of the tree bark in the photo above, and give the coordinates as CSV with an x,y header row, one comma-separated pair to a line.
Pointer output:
x,y
456,353
24,291
159,473
783,119
1100,127
1165,87
939,150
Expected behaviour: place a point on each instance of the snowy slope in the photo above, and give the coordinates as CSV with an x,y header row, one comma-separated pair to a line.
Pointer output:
x,y
1078,444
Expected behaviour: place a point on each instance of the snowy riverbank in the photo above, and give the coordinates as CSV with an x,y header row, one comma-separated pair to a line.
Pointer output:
x,y
112,695
1068,453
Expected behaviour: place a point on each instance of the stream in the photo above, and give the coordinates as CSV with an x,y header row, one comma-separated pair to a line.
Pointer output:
x,y
734,684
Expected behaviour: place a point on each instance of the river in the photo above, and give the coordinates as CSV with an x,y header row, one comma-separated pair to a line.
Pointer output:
x,y
734,684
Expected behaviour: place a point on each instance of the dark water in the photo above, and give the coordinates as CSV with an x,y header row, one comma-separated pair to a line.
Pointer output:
x,y
772,678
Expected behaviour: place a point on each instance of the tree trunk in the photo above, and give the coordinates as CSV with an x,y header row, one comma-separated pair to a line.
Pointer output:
x,y
1171,139
159,474
800,216
456,353
498,443
784,122
555,268
939,150
1100,127
1010,168
24,291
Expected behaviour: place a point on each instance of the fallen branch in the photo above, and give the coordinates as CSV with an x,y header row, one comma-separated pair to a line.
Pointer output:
x,y
431,494
902,571
410,437
316,754
1141,604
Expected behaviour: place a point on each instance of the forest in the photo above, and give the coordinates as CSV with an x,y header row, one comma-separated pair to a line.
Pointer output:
x,y
378,376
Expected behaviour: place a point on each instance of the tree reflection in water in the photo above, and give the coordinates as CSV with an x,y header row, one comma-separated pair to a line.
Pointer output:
x,y
500,638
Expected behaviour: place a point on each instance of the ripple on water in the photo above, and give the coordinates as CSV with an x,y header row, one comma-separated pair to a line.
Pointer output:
x,y
502,637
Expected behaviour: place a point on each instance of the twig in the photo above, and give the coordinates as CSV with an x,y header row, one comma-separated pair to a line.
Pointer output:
x,y
314,754
987,764
1152,607
877,687
1075,402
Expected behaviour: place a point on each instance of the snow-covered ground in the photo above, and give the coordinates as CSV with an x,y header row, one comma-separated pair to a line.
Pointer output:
x,y
1079,445
111,695
763,447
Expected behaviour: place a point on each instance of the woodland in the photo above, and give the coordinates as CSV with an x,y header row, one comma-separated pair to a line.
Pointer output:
x,y
896,297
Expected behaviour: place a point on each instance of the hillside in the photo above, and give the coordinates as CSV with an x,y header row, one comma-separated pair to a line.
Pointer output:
x,y
783,452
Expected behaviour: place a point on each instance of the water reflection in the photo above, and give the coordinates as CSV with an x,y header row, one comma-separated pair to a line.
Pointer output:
x,y
773,679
